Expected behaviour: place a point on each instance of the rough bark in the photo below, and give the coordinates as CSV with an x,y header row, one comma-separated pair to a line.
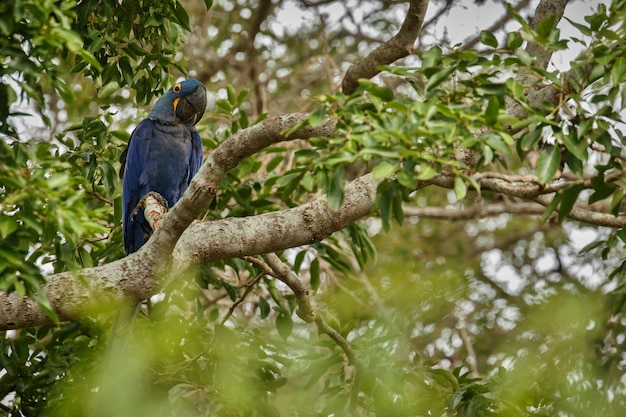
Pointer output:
x,y
537,93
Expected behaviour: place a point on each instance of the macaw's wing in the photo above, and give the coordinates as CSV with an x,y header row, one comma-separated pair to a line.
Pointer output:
x,y
196,154
136,229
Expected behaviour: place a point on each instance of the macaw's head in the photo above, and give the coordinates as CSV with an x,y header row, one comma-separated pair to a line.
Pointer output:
x,y
184,102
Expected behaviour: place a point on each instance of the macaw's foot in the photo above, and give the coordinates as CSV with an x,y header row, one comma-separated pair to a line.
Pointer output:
x,y
154,208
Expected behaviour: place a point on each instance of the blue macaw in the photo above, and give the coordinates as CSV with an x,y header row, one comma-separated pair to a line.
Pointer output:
x,y
163,154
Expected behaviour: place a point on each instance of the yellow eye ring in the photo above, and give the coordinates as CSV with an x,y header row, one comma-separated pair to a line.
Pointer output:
x,y
176,88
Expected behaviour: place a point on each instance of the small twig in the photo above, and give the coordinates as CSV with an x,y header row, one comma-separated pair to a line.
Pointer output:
x,y
249,285
446,7
99,196
207,301
470,43
471,353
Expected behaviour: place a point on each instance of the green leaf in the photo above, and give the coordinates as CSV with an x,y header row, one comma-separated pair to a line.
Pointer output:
x,y
66,92
8,225
546,26
108,90
530,138
233,292
576,146
515,87
284,324
384,169
90,59
317,117
264,307
432,57
491,112
398,212
426,172
315,274
514,40
335,194
298,261
182,18
438,77
568,199
376,90
550,208
495,89
616,201
601,188
126,70
548,164
488,38
42,301
273,163
71,39
385,206
574,164
232,95
496,143
585,30
460,188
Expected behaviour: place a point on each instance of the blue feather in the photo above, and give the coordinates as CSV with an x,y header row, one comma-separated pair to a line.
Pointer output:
x,y
163,155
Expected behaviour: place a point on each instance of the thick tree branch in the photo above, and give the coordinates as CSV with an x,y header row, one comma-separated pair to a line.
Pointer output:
x,y
395,48
233,237
545,10
535,92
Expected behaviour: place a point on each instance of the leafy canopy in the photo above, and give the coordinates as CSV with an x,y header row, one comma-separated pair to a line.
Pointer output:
x,y
433,329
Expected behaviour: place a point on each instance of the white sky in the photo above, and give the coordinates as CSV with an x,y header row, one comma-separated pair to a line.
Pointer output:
x,y
463,21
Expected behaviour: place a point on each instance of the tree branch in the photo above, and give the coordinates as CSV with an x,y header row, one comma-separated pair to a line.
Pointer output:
x,y
395,48
545,10
312,222
136,277
536,93
477,212
529,188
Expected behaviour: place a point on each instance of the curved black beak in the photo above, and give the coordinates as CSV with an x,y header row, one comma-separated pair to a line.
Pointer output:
x,y
191,107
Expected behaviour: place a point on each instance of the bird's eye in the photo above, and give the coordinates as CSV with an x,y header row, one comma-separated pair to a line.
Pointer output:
x,y
176,88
